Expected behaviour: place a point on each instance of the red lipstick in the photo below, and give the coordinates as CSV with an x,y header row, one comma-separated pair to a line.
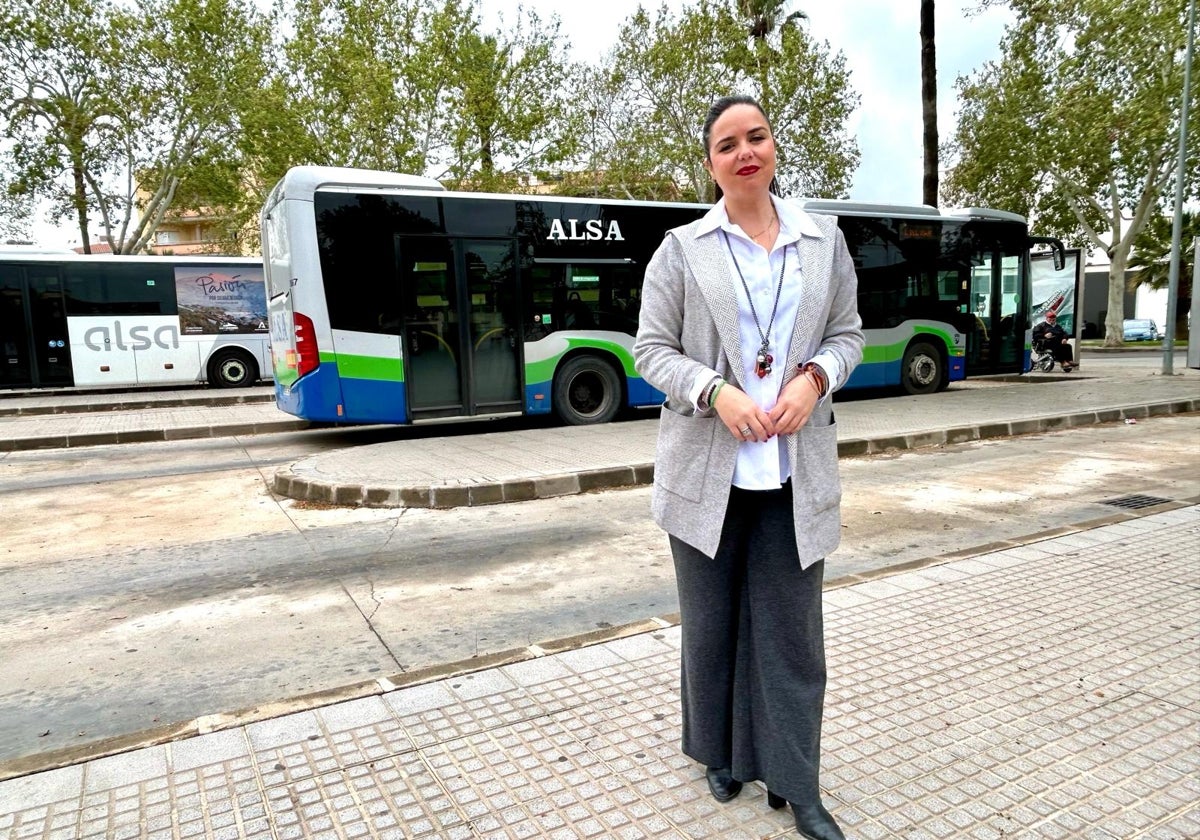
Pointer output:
x,y
747,170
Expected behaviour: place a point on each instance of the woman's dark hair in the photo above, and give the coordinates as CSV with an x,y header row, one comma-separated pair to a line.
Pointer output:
x,y
714,113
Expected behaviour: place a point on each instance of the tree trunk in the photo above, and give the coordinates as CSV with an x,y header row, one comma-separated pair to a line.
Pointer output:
x,y
1114,321
487,162
79,198
929,184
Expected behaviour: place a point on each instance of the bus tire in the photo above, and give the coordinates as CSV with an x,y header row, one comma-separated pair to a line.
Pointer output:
x,y
232,367
586,390
922,369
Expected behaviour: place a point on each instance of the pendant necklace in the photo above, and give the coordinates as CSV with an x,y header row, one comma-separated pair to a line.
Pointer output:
x,y
762,362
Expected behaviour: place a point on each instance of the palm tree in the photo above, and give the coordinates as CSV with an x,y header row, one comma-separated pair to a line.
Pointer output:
x,y
1152,250
929,184
763,18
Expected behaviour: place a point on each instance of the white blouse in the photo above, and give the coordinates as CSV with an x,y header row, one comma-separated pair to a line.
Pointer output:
x,y
763,466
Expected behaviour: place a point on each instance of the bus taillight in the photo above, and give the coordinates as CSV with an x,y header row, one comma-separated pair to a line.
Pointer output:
x,y
308,357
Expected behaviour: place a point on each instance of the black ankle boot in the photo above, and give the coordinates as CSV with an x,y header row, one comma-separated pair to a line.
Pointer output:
x,y
812,820
722,784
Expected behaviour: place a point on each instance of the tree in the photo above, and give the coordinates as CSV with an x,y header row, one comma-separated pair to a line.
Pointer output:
x,y
1152,251
765,21
929,183
365,79
506,112
58,63
197,59
110,108
1076,126
766,17
16,211
648,99
805,91
812,103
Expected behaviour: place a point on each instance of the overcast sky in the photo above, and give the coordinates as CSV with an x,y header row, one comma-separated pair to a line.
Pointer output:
x,y
881,41
882,44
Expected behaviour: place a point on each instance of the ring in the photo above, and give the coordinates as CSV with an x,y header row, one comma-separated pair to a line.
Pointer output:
x,y
746,432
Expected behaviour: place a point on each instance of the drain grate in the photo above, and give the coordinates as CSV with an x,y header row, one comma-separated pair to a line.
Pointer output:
x,y
1135,502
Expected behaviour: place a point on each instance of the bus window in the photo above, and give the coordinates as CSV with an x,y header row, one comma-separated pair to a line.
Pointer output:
x,y
541,287
120,289
15,365
1010,321
583,298
601,297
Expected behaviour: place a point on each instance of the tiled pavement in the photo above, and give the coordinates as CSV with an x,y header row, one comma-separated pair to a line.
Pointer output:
x,y
1047,690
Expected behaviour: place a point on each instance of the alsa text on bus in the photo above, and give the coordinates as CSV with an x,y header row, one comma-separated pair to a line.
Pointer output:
x,y
593,229
101,338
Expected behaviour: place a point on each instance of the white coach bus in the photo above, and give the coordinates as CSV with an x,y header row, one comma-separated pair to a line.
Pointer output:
x,y
71,320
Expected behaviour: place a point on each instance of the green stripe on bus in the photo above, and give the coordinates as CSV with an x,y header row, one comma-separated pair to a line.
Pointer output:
x,y
366,367
876,353
543,371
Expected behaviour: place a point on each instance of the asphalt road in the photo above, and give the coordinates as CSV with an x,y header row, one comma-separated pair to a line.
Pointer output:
x,y
154,583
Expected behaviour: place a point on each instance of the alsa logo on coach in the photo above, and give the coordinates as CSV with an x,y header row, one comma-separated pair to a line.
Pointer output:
x,y
140,338
592,229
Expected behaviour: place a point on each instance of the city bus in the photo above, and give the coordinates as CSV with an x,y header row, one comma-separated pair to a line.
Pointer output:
x,y
73,320
394,300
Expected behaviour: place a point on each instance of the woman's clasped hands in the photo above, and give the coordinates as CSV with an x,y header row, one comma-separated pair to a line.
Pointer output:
x,y
746,421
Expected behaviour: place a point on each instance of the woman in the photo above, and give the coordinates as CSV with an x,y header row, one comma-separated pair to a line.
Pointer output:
x,y
748,322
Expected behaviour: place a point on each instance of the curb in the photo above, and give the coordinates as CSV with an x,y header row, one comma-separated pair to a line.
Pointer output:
x,y
136,405
151,435
205,724
288,483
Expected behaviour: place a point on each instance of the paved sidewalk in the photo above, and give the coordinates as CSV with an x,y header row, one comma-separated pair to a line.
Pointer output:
x,y
31,403
1044,690
52,419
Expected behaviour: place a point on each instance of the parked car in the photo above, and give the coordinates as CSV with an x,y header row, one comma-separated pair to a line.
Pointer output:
x,y
1140,329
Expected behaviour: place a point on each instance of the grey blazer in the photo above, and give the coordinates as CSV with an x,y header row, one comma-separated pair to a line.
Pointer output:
x,y
689,322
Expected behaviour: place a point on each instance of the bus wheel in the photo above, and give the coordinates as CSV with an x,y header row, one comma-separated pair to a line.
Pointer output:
x,y
232,368
921,371
586,390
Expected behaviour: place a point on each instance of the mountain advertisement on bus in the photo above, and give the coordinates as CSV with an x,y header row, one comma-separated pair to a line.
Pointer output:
x,y
221,300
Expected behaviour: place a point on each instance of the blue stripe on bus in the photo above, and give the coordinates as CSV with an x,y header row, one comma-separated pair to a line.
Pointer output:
x,y
538,395
537,398
642,393
375,400
314,397
881,374
317,396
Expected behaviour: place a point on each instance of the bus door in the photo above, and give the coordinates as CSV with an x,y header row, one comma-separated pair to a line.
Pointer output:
x,y
995,301
35,347
461,352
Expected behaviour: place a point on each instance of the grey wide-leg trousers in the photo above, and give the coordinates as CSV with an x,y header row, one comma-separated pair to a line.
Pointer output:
x,y
753,658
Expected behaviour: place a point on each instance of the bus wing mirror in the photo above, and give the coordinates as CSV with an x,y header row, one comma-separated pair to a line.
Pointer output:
x,y
1057,252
